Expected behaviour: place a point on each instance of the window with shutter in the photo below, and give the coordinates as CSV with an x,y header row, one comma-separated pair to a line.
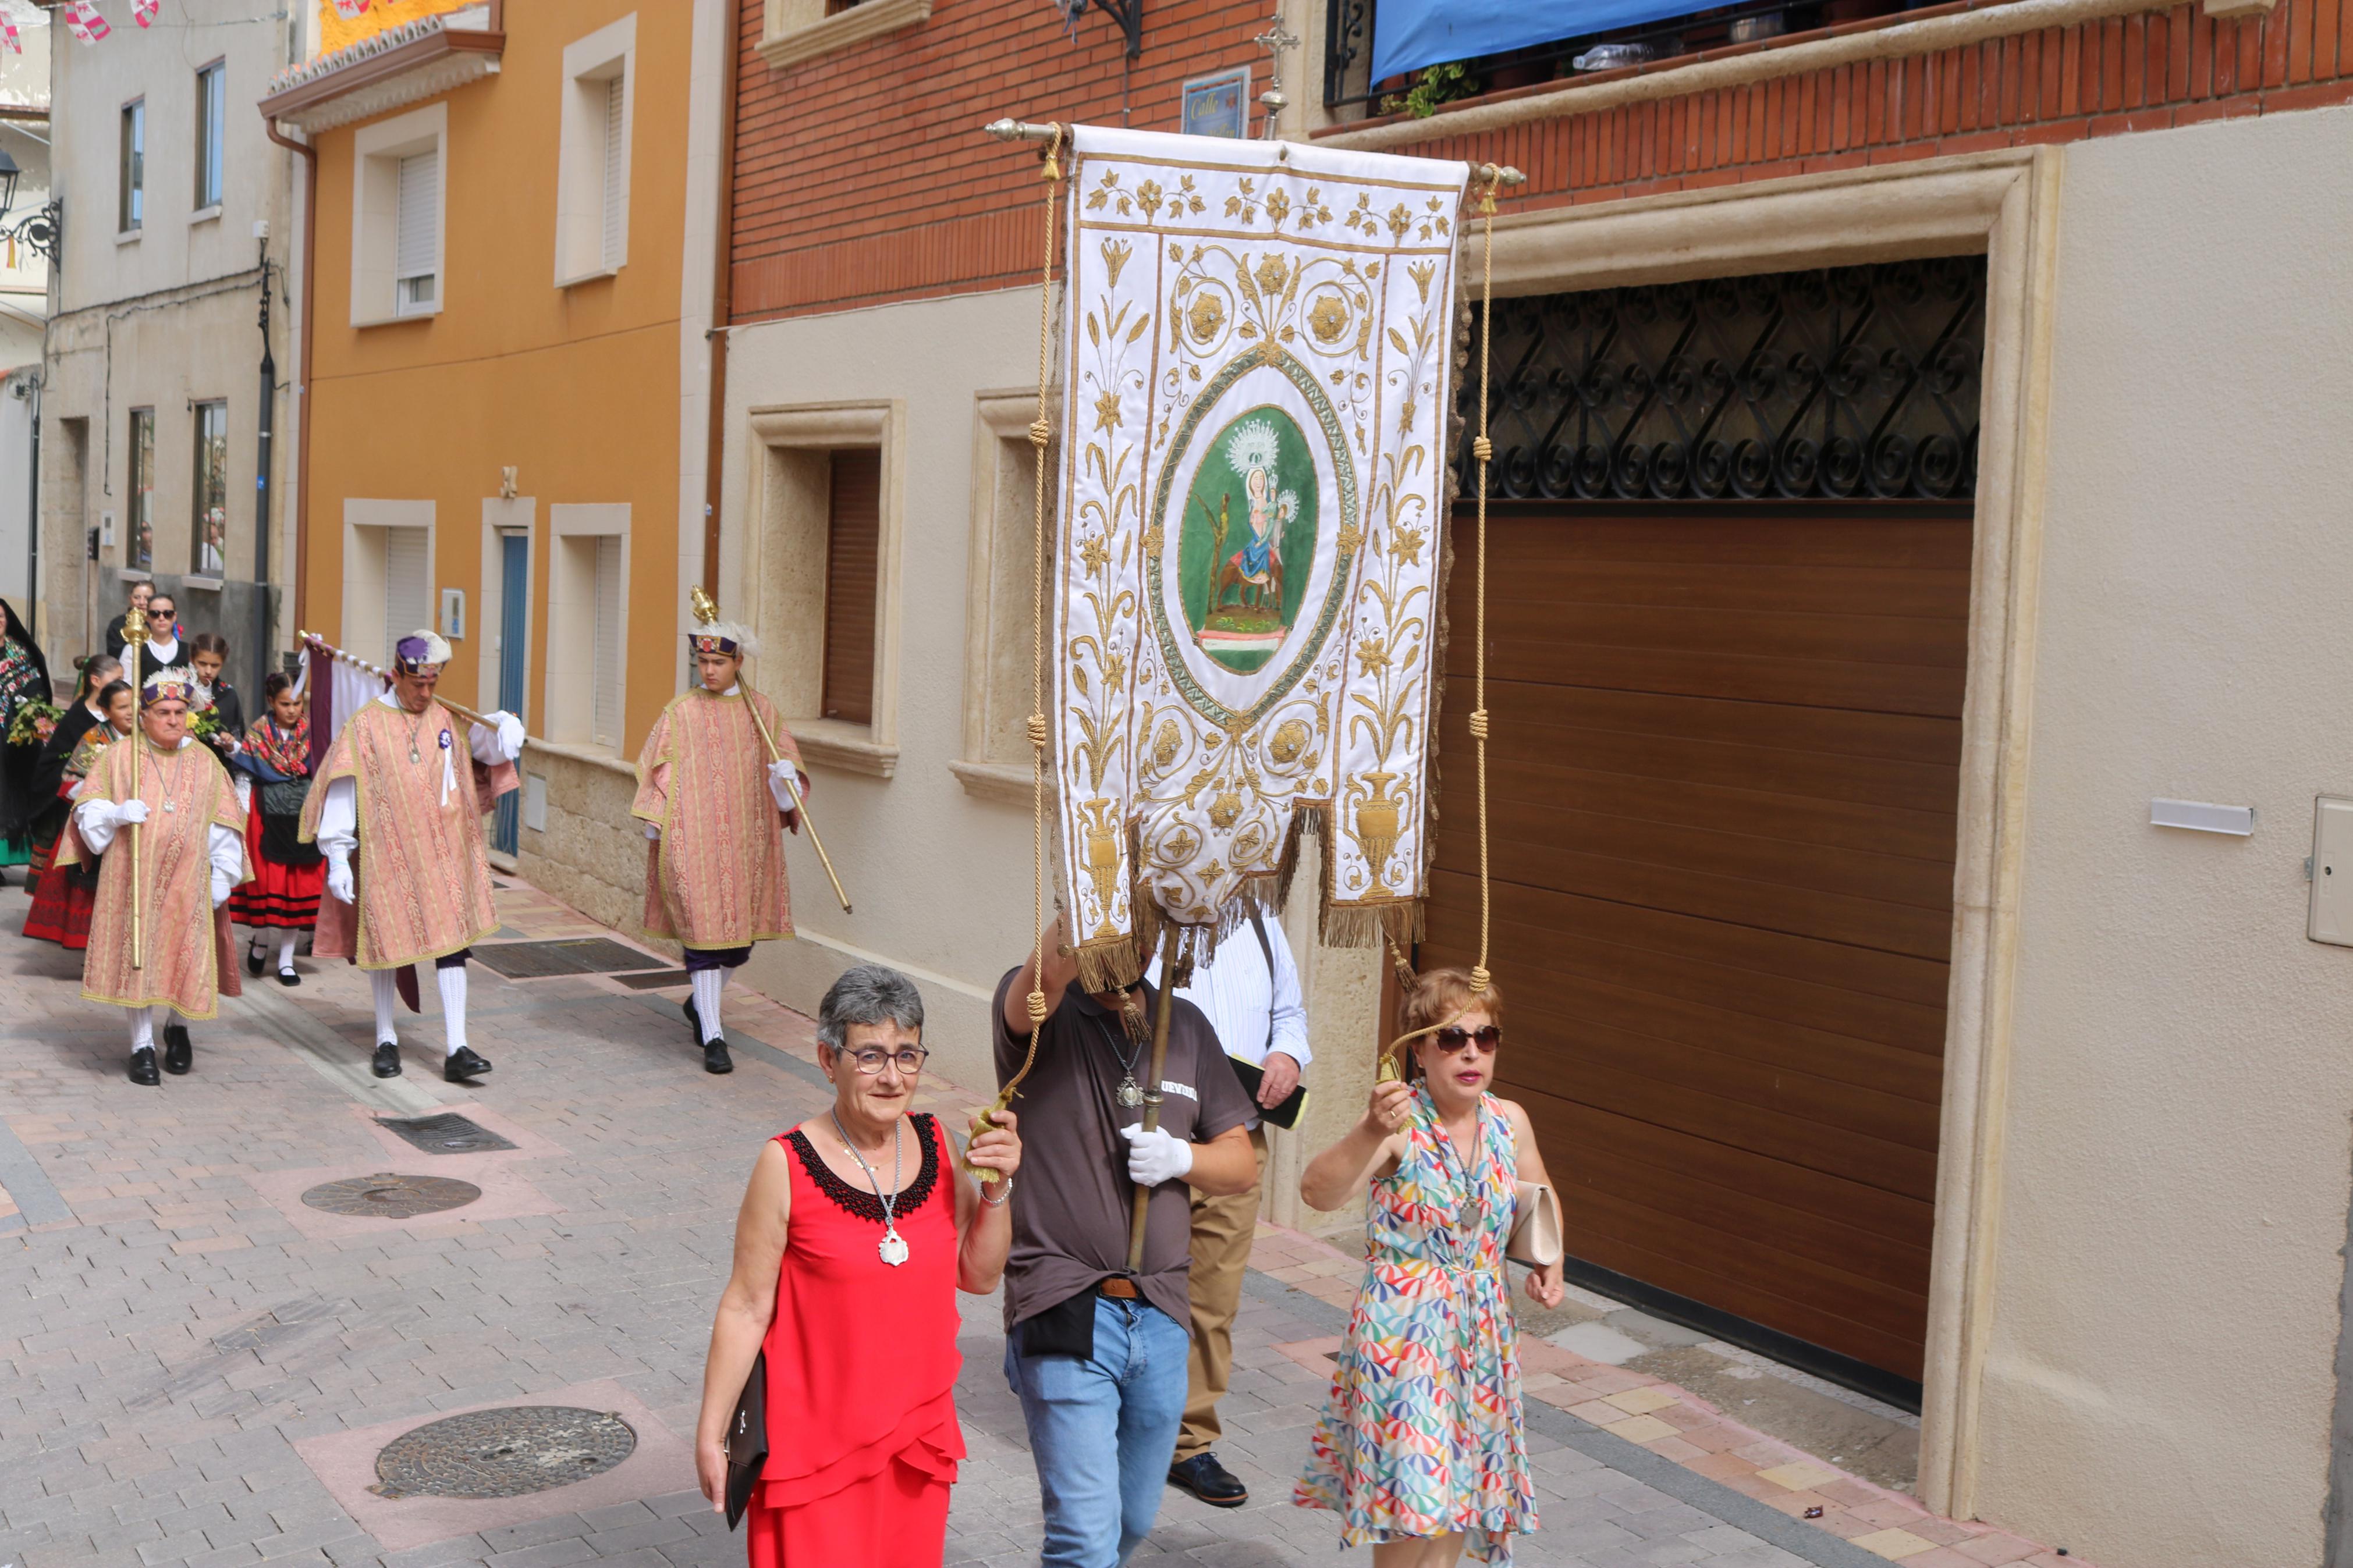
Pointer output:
x,y
407,585
212,129
131,187
605,716
853,539
417,231
616,191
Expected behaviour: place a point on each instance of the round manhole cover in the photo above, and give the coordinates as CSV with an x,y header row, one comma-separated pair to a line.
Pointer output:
x,y
503,1453
388,1196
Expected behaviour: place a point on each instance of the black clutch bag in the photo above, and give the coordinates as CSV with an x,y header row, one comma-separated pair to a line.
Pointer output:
x,y
747,1440
1286,1115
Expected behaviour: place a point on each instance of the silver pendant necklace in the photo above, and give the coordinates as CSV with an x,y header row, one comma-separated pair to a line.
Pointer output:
x,y
893,1247
1129,1093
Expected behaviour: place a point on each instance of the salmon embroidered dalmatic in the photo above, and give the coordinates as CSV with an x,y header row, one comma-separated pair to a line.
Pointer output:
x,y
183,965
715,878
422,872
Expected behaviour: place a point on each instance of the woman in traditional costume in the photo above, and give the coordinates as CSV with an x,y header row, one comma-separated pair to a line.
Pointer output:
x,y
24,682
856,1233
68,892
81,715
218,718
1422,1446
287,874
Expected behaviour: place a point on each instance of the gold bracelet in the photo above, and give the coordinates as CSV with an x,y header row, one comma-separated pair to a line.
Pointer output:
x,y
997,1203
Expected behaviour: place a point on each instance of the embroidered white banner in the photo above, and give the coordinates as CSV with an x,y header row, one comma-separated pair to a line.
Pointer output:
x,y
1257,382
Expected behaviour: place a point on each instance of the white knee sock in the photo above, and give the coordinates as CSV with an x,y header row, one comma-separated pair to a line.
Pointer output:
x,y
143,1028
453,1005
286,949
707,984
387,994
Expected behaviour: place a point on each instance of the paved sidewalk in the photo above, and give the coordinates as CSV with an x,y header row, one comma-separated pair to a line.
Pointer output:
x,y
195,1368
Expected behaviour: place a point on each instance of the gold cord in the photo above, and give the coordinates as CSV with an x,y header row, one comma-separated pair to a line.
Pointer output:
x,y
1041,431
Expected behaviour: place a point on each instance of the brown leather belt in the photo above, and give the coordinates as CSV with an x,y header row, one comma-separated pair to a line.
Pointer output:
x,y
1119,1288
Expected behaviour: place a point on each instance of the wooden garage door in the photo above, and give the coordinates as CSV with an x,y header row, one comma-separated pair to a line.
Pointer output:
x,y
1722,786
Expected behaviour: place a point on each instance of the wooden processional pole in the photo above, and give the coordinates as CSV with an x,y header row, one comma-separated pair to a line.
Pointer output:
x,y
134,637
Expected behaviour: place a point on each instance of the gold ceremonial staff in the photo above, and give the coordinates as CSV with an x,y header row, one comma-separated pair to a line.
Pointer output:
x,y
134,635
459,708
706,611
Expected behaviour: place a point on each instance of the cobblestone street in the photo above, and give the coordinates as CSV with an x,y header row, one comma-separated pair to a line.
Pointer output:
x,y
198,1368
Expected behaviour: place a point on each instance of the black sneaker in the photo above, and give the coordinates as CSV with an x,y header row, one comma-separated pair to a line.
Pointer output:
x,y
1210,1481
387,1059
715,1058
179,1054
463,1063
143,1067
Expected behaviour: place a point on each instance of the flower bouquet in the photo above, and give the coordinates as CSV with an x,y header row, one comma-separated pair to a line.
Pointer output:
x,y
34,722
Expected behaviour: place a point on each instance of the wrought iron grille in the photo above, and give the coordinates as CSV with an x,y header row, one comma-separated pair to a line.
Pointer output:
x,y
1860,382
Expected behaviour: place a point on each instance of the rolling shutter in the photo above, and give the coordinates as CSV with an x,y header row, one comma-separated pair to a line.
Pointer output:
x,y
616,191
605,719
853,539
407,585
419,226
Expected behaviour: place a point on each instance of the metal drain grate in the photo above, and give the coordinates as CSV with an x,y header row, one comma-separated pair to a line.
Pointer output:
x,y
387,1196
655,981
448,1133
539,959
503,1453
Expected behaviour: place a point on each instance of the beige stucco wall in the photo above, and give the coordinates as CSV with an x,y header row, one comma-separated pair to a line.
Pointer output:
x,y
2158,1388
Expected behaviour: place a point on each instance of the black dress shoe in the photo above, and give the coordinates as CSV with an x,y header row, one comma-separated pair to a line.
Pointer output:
x,y
1210,1481
179,1054
715,1058
463,1063
143,1067
693,1021
254,959
287,977
387,1059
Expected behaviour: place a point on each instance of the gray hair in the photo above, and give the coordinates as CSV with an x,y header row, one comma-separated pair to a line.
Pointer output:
x,y
869,994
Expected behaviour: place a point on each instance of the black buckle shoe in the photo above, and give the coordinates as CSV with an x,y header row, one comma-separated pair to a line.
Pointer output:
x,y
387,1059
1210,1481
254,959
463,1063
287,977
715,1058
179,1054
143,1067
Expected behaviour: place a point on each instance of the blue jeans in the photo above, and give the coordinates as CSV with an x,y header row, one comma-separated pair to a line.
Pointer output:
x,y
1126,1400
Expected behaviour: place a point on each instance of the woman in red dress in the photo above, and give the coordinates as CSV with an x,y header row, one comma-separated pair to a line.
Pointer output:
x,y
287,874
65,897
856,1233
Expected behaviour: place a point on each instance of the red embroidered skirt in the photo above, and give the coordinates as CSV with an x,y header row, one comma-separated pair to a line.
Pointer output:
x,y
279,895
62,903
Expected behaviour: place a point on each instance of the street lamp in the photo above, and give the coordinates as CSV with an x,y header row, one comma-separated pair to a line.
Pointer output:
x,y
8,173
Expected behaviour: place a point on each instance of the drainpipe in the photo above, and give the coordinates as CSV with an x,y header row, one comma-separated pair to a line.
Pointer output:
x,y
310,157
722,303
262,623
33,515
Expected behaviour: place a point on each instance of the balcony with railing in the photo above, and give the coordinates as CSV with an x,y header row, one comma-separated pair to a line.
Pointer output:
x,y
1411,67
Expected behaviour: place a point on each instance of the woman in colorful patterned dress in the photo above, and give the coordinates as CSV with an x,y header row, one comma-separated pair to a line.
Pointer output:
x,y
1420,1449
66,894
287,874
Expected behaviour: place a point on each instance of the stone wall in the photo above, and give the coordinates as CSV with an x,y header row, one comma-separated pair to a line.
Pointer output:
x,y
590,853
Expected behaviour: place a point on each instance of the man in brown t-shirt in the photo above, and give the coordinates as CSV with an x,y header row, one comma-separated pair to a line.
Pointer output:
x,y
1097,1354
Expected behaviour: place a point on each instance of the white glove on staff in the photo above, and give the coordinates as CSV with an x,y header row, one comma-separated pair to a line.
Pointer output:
x,y
220,888
1155,1156
510,734
339,878
130,811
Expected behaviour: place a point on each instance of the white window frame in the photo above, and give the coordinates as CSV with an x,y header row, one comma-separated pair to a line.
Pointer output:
x,y
569,702
210,144
366,524
376,152
591,64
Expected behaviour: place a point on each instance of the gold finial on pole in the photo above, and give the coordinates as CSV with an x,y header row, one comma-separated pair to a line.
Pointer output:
x,y
134,637
706,612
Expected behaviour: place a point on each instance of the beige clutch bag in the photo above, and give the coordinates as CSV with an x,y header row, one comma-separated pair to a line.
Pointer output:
x,y
1536,1239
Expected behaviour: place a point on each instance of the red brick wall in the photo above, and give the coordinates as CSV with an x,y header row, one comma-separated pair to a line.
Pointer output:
x,y
2135,73
862,176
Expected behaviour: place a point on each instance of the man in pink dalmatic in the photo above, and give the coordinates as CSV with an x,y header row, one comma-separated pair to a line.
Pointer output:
x,y
401,791
716,804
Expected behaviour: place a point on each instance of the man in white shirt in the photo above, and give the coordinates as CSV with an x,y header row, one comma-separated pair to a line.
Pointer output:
x,y
1250,992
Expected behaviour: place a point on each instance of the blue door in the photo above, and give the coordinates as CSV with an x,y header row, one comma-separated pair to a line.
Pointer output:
x,y
515,618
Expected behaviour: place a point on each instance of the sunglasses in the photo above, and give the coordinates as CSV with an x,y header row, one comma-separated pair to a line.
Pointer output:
x,y
1487,1036
160,615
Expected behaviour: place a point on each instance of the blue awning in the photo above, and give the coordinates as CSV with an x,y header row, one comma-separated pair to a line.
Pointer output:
x,y
1410,34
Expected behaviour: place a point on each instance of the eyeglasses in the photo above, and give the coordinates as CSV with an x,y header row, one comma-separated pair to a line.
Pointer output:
x,y
908,1060
160,615
1487,1036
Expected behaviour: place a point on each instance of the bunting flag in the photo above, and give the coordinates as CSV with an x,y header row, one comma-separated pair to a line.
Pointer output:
x,y
143,11
8,34
350,10
86,24
1259,375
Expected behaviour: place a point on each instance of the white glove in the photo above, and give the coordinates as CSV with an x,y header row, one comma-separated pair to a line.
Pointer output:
x,y
220,888
509,733
1155,1156
339,878
653,831
784,784
130,811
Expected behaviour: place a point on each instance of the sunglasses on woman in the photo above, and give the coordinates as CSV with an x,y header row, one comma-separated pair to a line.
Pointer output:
x,y
1486,1036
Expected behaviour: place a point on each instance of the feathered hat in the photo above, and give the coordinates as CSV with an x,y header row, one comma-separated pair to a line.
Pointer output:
x,y
712,634
178,684
419,649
